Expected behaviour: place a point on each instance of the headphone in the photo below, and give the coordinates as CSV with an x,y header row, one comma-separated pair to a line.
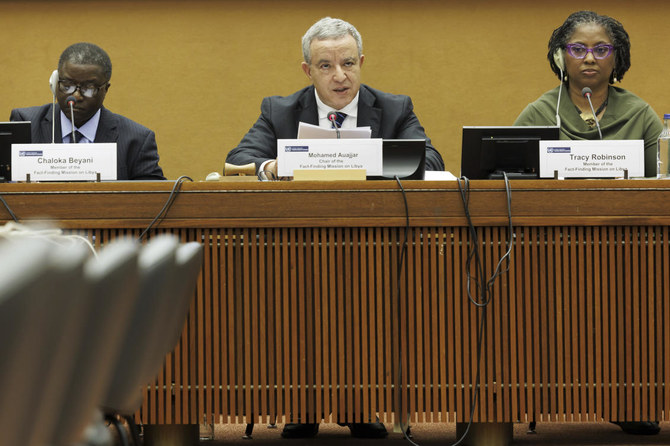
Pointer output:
x,y
559,59
53,83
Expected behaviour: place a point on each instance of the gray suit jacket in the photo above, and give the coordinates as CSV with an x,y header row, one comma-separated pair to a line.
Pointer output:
x,y
390,116
136,149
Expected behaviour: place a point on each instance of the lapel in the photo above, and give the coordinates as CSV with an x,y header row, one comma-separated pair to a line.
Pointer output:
x,y
46,128
307,111
368,114
107,127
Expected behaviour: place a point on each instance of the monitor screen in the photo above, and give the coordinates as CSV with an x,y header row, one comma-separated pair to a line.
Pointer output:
x,y
11,133
404,158
487,152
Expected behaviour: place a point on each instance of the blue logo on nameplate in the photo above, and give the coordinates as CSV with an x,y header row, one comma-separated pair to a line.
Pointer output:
x,y
30,153
296,149
558,149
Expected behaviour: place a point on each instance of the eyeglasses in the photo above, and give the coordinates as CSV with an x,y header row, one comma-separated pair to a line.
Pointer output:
x,y
87,91
579,51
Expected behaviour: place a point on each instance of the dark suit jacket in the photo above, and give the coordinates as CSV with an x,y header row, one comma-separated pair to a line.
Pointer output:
x,y
390,116
136,150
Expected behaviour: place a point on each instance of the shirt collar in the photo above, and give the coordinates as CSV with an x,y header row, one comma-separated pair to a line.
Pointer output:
x,y
89,129
351,109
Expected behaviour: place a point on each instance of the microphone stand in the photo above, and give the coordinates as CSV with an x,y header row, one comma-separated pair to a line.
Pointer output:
x,y
332,118
71,100
586,91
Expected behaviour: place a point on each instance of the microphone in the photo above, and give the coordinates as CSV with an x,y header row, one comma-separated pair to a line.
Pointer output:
x,y
70,101
332,117
587,92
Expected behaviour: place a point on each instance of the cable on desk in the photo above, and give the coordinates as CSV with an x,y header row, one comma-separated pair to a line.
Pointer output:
x,y
11,213
168,204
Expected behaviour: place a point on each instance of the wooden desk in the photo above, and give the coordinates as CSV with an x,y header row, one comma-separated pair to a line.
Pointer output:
x,y
298,309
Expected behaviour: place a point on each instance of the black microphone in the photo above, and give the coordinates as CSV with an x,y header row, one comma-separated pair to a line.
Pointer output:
x,y
332,117
70,101
586,92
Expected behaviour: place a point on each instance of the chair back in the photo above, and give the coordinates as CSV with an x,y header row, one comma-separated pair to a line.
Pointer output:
x,y
114,281
25,276
157,267
65,306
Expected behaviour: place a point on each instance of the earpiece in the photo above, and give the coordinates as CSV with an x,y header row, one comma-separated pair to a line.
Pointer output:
x,y
559,59
53,82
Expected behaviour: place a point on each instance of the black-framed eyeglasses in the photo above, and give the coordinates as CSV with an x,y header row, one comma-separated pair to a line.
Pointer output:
x,y
579,51
87,91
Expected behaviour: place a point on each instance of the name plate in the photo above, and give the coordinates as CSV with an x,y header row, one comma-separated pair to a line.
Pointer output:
x,y
326,154
592,159
63,162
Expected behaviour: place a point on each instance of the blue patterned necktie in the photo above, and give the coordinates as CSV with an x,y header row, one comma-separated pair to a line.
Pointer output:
x,y
338,120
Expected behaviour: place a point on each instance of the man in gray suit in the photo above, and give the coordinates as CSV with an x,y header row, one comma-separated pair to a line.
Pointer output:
x,y
333,57
84,71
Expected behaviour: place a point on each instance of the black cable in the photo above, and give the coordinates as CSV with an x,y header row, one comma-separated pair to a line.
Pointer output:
x,y
401,262
163,212
9,209
485,288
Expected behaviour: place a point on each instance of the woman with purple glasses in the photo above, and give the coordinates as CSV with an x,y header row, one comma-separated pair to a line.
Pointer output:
x,y
590,53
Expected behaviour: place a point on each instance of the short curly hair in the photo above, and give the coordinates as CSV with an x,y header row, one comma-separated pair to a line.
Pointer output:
x,y
84,53
613,28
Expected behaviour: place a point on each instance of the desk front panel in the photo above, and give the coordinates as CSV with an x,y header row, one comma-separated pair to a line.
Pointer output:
x,y
314,308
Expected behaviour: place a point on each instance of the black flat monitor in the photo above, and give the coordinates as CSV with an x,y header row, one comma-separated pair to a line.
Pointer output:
x,y
487,152
17,132
404,158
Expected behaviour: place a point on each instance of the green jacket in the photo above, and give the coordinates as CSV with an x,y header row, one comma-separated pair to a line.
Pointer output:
x,y
626,117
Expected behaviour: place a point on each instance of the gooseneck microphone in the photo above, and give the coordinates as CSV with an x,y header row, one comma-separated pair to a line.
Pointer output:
x,y
332,117
70,101
587,92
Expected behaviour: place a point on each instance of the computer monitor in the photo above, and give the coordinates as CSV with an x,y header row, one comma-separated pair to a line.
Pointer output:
x,y
17,132
487,152
404,158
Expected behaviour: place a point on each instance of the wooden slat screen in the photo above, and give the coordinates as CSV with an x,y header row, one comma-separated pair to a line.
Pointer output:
x,y
301,311
302,321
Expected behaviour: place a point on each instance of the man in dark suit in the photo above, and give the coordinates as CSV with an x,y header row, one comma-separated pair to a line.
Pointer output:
x,y
332,50
84,71
333,57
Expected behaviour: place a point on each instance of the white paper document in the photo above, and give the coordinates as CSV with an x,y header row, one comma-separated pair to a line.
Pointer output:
x,y
64,162
310,131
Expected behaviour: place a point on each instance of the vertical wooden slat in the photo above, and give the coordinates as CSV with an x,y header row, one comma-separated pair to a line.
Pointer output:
x,y
368,321
645,342
442,250
409,332
354,378
598,277
316,249
528,317
260,279
660,290
666,317
518,371
615,299
544,325
537,304
583,307
253,308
